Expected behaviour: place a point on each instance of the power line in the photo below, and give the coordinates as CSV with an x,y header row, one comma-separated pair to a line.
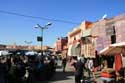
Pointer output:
x,y
29,16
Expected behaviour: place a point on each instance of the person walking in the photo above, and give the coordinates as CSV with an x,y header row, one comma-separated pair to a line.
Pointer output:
x,y
79,67
64,63
89,64
3,70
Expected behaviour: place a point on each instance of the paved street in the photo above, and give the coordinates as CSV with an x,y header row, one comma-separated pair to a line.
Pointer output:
x,y
67,77
61,77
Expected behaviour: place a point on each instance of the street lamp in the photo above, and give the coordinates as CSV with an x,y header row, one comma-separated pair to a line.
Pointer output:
x,y
41,38
28,43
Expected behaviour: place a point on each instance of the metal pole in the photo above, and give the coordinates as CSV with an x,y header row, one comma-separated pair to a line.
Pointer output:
x,y
42,28
41,41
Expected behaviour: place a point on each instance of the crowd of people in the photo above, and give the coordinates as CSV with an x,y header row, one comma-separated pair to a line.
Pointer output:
x,y
91,66
82,65
26,69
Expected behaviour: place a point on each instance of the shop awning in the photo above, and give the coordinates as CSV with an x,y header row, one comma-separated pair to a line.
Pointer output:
x,y
86,33
115,50
118,48
77,45
78,49
74,50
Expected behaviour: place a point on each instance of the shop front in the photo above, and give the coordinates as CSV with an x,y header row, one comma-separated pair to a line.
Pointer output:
x,y
116,50
88,44
74,49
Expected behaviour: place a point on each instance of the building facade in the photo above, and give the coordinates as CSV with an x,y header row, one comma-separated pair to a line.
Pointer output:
x,y
80,41
109,31
74,46
61,46
2,47
88,43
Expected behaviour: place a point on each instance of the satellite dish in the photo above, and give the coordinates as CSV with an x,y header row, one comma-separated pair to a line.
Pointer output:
x,y
105,15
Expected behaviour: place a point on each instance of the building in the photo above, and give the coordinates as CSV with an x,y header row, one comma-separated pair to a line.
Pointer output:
x,y
17,47
78,40
88,43
74,38
109,31
23,47
61,46
2,47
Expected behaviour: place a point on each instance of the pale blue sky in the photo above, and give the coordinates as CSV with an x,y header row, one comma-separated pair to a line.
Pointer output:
x,y
18,29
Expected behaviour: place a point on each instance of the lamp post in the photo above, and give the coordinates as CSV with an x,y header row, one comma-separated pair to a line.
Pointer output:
x,y
28,43
41,38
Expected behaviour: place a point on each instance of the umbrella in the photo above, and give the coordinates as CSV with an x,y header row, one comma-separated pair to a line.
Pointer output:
x,y
113,49
4,53
31,53
116,50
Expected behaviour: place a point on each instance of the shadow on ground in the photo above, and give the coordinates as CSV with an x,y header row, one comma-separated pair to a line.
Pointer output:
x,y
62,76
59,76
58,67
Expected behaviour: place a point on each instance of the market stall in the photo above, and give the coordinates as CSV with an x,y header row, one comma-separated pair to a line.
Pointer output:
x,y
117,50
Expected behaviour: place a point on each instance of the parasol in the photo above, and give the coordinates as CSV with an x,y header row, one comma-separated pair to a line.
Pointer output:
x,y
113,49
31,53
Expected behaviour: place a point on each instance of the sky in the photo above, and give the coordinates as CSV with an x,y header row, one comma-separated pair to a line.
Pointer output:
x,y
17,29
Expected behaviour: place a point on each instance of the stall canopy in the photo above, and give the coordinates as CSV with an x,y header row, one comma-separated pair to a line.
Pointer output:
x,y
31,53
4,53
113,49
